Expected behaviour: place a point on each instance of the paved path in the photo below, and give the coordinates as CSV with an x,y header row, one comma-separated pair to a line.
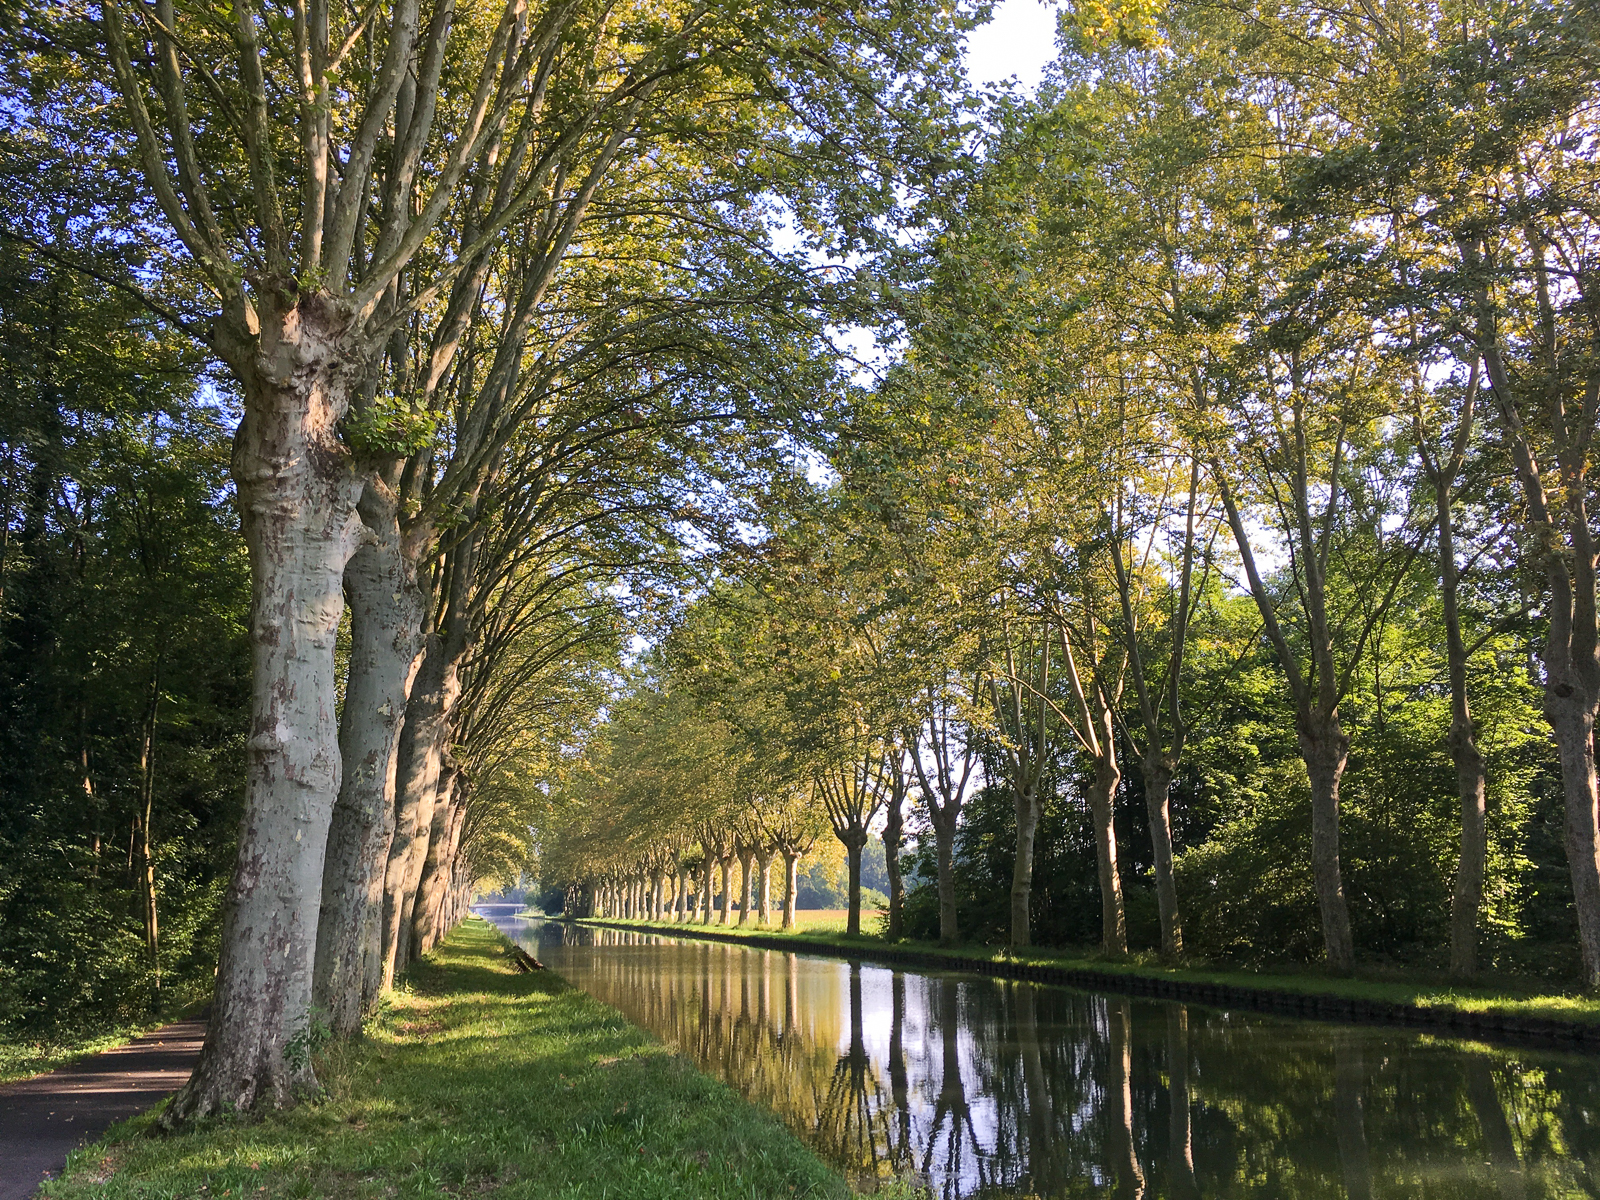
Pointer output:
x,y
42,1119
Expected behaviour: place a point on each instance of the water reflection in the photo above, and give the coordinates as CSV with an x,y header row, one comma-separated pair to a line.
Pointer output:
x,y
987,1088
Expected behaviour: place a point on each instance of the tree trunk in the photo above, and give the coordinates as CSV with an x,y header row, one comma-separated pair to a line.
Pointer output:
x,y
764,886
385,634
1572,720
1027,802
1571,652
893,825
1471,784
944,845
852,854
297,498
1467,899
725,869
424,738
146,809
442,921
747,885
1325,749
1107,775
791,885
436,866
708,865
681,903
1157,788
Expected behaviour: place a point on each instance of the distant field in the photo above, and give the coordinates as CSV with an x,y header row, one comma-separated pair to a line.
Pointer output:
x,y
830,920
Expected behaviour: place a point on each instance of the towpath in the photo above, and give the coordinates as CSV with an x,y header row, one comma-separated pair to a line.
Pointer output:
x,y
44,1118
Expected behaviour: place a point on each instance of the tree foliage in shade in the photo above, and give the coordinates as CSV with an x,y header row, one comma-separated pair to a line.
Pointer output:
x,y
123,602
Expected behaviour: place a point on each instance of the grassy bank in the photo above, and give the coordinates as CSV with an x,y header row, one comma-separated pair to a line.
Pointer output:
x,y
1527,1000
474,1080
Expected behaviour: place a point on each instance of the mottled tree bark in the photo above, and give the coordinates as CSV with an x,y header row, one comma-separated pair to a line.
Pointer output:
x,y
1323,745
1564,401
385,634
297,501
945,790
1022,713
424,738
1159,704
944,849
1443,471
435,865
707,865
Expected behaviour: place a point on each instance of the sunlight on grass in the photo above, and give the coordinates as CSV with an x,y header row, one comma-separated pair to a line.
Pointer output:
x,y
472,1080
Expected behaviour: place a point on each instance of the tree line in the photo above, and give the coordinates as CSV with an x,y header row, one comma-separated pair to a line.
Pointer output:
x,y
487,302
1222,518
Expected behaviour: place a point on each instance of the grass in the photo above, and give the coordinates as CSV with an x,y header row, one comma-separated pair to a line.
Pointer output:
x,y
475,1079
25,1059
1509,996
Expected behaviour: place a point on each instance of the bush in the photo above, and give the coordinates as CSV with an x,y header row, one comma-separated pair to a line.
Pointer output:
x,y
873,898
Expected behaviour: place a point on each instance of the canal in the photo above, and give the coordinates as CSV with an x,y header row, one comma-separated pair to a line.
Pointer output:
x,y
995,1088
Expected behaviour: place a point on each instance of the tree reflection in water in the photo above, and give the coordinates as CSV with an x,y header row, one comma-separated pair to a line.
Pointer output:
x,y
988,1088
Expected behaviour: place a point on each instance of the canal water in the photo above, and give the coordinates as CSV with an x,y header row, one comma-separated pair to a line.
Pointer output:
x,y
995,1088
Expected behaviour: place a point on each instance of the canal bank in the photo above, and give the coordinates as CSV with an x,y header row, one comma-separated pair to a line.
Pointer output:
x,y
1536,1019
984,1087
478,1079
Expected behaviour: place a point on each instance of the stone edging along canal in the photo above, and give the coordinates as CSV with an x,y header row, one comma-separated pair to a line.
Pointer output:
x,y
1484,1026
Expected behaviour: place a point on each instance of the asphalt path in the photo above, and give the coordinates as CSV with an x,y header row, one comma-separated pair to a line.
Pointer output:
x,y
44,1118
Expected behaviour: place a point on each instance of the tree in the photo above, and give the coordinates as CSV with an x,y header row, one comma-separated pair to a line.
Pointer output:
x,y
300,314
123,601
853,788
1022,723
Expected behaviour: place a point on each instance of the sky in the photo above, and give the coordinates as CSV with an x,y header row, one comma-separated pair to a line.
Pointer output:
x,y
1019,41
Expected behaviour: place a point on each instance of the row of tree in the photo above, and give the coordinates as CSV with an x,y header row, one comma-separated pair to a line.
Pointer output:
x,y
1248,386
495,293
